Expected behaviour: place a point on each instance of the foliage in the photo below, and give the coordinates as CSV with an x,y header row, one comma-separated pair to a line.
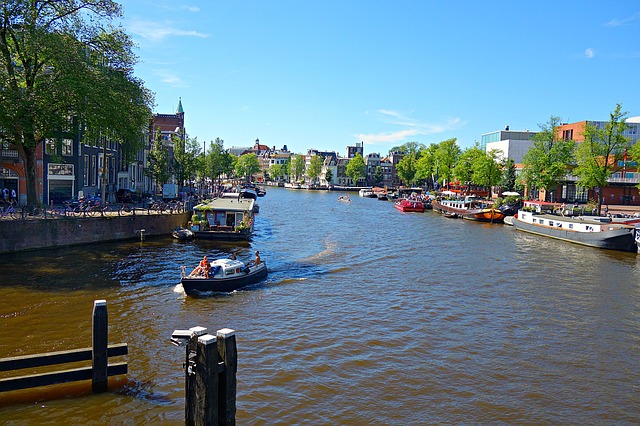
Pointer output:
x,y
315,167
547,160
356,169
406,168
277,171
508,180
378,176
328,176
446,156
158,168
297,167
486,169
247,165
597,157
467,163
426,164
63,68
218,160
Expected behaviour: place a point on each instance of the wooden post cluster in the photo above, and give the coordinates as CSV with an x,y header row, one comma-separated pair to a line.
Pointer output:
x,y
210,375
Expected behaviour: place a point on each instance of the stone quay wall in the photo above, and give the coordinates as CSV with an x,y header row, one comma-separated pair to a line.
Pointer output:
x,y
32,234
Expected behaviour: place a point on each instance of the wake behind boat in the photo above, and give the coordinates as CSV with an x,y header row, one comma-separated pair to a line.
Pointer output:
x,y
225,276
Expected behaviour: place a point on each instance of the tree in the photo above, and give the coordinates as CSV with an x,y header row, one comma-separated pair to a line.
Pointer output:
x,y
378,176
218,162
426,164
446,156
406,168
315,167
508,181
356,168
466,165
597,157
158,168
296,167
328,176
486,169
59,61
247,165
545,163
277,171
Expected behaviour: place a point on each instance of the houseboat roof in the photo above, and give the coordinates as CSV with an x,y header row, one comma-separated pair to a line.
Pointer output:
x,y
227,204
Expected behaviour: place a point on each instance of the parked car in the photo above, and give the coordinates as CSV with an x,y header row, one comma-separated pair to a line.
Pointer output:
x,y
127,196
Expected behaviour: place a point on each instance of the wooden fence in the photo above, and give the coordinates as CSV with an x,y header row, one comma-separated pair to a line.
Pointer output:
x,y
99,353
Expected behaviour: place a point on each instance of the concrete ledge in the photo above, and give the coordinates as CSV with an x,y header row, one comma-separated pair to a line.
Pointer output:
x,y
33,234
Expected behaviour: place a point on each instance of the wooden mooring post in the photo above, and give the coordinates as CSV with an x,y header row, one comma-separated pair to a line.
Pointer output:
x,y
98,354
211,364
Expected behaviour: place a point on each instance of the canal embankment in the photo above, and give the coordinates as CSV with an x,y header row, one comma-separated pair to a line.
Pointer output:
x,y
34,234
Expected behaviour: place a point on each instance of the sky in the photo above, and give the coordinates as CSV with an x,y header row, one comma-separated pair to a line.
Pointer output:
x,y
327,74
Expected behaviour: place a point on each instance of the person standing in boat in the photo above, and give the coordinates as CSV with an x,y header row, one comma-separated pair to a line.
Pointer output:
x,y
256,261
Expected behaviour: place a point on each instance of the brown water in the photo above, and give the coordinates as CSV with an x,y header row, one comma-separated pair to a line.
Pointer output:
x,y
369,316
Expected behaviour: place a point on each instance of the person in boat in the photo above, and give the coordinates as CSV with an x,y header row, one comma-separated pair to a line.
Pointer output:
x,y
256,260
232,256
202,269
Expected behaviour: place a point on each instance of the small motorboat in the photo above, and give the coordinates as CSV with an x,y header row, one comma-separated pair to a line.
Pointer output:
x,y
344,198
225,276
183,234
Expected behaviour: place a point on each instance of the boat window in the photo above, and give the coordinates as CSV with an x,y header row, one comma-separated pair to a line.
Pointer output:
x,y
535,220
541,222
550,223
559,225
571,226
229,271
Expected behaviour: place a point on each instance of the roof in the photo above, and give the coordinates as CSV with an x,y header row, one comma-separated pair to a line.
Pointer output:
x,y
227,204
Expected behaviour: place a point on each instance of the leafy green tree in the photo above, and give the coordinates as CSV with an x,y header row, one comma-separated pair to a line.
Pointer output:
x,y
297,167
277,171
545,163
378,176
356,169
315,167
406,168
508,181
219,161
426,164
597,157
158,168
328,176
487,169
446,157
466,165
59,60
247,165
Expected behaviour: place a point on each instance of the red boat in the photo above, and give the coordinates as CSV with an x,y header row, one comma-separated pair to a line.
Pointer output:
x,y
405,205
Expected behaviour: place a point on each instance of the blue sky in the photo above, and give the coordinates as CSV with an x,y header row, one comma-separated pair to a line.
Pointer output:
x,y
325,74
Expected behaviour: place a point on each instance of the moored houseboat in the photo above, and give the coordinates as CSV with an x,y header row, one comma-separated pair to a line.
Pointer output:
x,y
470,207
580,230
224,218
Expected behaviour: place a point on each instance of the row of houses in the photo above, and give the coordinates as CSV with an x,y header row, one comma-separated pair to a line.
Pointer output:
x,y
68,166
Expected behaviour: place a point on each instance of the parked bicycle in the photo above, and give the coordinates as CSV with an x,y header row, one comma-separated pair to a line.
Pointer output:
x,y
157,206
8,210
176,206
126,208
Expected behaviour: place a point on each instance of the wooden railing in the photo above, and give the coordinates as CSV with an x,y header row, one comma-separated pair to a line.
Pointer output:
x,y
99,353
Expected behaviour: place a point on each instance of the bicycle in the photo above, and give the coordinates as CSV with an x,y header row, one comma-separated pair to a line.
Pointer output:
x,y
157,206
7,210
176,207
126,208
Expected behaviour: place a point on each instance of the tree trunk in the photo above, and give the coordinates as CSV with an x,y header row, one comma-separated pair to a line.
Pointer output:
x,y
28,154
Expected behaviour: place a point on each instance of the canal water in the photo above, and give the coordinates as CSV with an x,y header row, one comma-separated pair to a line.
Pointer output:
x,y
368,316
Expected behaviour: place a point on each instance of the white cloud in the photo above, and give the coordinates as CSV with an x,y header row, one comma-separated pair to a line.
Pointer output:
x,y
589,53
170,78
156,31
624,21
410,128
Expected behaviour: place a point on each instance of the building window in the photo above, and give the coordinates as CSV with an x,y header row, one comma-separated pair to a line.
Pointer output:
x,y
50,146
67,147
85,175
94,171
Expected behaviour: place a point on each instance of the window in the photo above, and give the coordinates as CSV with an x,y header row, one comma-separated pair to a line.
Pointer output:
x,y
67,147
94,171
85,175
50,147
